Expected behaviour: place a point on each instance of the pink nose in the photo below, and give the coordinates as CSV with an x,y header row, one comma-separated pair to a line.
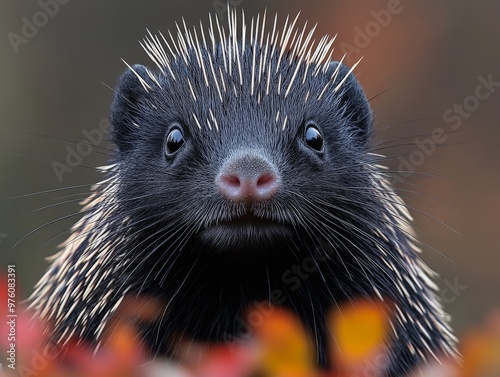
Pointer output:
x,y
248,177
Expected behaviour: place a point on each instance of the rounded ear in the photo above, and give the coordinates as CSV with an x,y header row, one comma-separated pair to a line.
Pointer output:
x,y
132,87
353,101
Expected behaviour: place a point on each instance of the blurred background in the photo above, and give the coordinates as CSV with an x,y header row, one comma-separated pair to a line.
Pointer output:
x,y
432,70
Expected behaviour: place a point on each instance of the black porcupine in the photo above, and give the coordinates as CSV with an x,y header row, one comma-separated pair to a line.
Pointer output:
x,y
246,153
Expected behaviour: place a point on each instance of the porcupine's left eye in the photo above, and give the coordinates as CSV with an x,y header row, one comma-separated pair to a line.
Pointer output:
x,y
313,137
175,140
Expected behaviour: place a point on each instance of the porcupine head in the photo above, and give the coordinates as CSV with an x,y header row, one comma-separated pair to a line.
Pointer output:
x,y
244,154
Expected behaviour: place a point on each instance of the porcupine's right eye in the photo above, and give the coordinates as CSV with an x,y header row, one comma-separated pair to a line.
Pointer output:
x,y
175,140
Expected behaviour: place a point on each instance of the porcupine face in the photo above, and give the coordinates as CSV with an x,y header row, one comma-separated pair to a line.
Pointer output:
x,y
230,166
254,151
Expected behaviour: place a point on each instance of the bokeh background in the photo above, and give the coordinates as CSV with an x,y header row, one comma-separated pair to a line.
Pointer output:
x,y
422,61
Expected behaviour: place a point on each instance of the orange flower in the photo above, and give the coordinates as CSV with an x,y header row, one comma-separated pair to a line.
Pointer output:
x,y
481,349
359,336
286,348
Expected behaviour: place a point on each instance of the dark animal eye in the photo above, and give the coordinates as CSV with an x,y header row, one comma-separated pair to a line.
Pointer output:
x,y
175,140
313,138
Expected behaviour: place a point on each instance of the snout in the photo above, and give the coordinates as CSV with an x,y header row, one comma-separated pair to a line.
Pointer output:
x,y
248,176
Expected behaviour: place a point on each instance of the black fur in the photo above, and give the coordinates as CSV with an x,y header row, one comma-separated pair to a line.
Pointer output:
x,y
178,238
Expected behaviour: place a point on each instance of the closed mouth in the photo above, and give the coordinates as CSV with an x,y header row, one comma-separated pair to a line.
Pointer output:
x,y
248,219
246,231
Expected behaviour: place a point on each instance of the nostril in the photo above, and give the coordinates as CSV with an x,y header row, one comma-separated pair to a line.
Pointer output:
x,y
266,185
265,180
231,181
